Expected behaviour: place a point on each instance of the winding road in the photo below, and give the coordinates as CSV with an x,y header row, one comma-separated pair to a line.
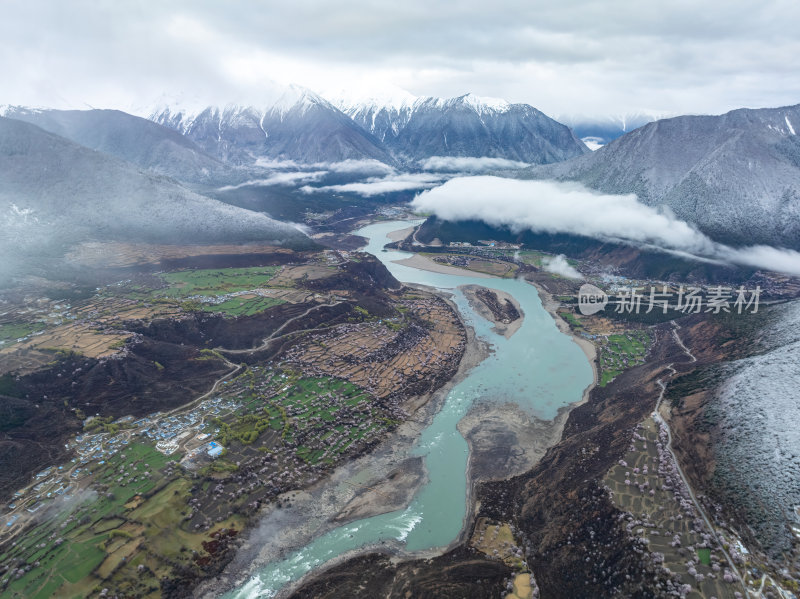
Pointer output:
x,y
265,343
662,422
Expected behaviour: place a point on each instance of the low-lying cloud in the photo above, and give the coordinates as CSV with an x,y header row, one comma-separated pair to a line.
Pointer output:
x,y
764,256
276,164
368,166
365,167
558,208
559,265
593,143
551,207
378,185
455,164
290,178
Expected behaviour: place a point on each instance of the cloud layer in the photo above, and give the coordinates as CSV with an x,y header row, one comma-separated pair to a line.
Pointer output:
x,y
567,57
373,186
546,206
284,178
558,208
455,164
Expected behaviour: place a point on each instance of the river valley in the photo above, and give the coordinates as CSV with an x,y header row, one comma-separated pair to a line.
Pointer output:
x,y
539,371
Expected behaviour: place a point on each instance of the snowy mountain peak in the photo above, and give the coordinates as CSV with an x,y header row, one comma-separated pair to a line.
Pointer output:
x,y
388,97
286,122
481,104
478,104
597,130
274,98
295,97
401,104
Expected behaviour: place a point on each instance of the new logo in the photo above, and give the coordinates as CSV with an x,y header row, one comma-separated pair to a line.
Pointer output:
x,y
591,299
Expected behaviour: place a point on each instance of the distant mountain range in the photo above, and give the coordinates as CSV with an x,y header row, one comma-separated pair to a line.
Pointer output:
x,y
736,177
302,126
296,124
414,129
597,131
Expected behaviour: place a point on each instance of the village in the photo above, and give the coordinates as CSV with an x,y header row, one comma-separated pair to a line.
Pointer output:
x,y
270,423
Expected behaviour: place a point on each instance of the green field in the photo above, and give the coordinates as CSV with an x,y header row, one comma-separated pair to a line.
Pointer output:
x,y
531,257
198,284
572,320
133,514
10,332
83,525
622,351
186,283
237,306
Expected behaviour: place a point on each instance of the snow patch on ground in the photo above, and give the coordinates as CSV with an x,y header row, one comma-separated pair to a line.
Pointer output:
x,y
789,124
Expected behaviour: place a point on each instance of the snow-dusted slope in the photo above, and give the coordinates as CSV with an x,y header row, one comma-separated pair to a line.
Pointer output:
x,y
382,113
134,139
757,451
292,123
415,129
735,176
55,193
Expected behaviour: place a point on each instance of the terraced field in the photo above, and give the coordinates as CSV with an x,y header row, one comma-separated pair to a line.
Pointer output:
x,y
385,356
91,528
646,486
319,418
497,541
95,327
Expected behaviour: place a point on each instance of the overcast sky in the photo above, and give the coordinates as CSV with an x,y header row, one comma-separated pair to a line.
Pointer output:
x,y
562,56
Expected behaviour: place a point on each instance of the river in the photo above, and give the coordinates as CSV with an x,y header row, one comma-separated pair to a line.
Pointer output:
x,y
539,368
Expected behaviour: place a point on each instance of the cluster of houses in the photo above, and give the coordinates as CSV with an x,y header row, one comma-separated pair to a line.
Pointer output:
x,y
95,449
43,311
48,484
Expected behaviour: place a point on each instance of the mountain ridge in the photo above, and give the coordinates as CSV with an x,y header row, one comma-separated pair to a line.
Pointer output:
x,y
298,125
139,141
400,129
465,126
735,176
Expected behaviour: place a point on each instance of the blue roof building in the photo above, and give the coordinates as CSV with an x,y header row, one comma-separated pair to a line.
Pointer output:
x,y
214,449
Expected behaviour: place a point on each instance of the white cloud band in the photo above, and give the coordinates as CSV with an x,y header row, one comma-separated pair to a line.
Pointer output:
x,y
547,206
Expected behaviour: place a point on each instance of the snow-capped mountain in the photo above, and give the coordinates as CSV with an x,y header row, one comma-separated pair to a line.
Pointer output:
x,y
383,113
736,176
293,123
414,129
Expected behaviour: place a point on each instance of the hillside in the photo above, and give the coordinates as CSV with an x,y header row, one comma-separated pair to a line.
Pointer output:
x,y
56,193
736,177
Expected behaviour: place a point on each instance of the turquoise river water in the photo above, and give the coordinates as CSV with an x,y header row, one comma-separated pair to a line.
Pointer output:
x,y
539,368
